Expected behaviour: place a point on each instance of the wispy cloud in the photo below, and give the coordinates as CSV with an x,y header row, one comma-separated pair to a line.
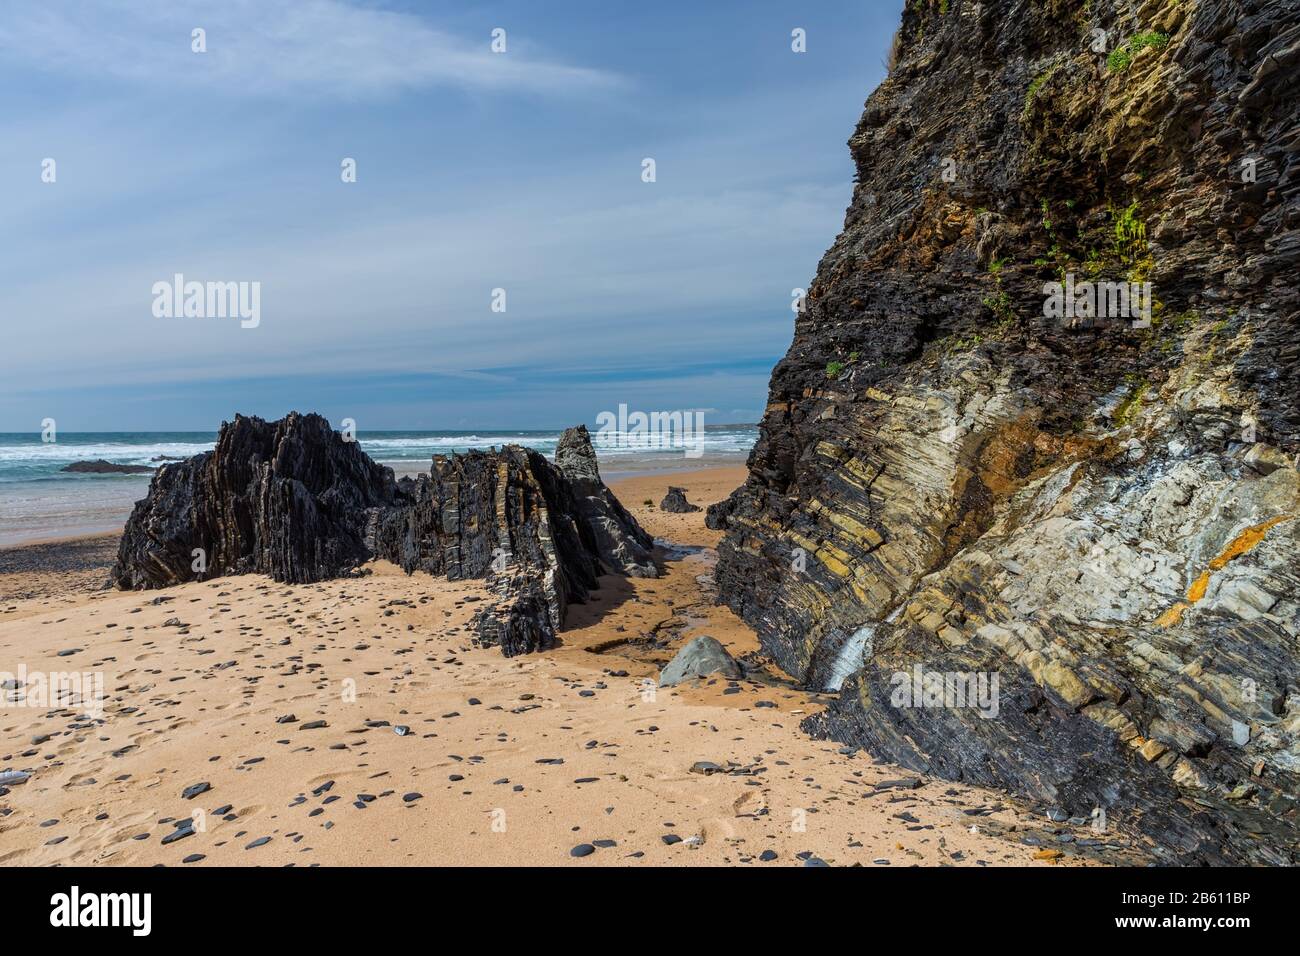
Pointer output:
x,y
625,279
323,48
376,294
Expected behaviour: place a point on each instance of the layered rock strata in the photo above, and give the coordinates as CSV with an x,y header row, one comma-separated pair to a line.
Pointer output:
x,y
957,476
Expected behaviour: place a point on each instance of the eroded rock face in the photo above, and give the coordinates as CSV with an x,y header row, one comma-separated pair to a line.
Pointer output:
x,y
513,518
622,543
1102,515
292,499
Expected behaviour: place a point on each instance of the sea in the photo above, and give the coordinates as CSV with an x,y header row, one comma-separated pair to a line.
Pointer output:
x,y
39,501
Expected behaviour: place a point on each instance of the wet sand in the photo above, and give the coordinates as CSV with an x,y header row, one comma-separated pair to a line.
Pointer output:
x,y
283,701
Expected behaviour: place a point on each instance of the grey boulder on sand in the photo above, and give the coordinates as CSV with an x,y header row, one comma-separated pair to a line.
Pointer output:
x,y
700,658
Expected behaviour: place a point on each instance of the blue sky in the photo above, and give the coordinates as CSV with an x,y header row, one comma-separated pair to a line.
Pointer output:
x,y
475,171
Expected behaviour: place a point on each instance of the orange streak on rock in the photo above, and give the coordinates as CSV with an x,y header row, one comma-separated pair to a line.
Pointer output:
x,y
1246,541
1241,544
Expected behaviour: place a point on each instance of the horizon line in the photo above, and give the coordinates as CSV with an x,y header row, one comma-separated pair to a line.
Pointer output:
x,y
463,428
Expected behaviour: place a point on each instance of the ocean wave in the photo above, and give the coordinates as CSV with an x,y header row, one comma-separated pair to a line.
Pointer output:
x,y
25,458
112,451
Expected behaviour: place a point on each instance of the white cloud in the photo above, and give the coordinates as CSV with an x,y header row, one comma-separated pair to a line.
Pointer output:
x,y
318,48
412,293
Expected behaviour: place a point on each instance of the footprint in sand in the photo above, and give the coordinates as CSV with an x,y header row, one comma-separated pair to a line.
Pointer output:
x,y
14,856
716,829
751,801
124,829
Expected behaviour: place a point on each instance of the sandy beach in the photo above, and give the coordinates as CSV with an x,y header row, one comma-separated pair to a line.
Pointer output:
x,y
277,708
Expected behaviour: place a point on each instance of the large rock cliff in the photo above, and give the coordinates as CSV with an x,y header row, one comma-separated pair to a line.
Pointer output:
x,y
957,475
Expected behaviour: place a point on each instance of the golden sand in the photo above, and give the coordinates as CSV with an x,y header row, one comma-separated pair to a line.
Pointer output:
x,y
506,761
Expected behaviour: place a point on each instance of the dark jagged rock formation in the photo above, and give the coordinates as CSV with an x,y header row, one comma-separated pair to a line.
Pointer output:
x,y
540,533
1103,515
715,516
675,501
292,499
574,531
621,542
